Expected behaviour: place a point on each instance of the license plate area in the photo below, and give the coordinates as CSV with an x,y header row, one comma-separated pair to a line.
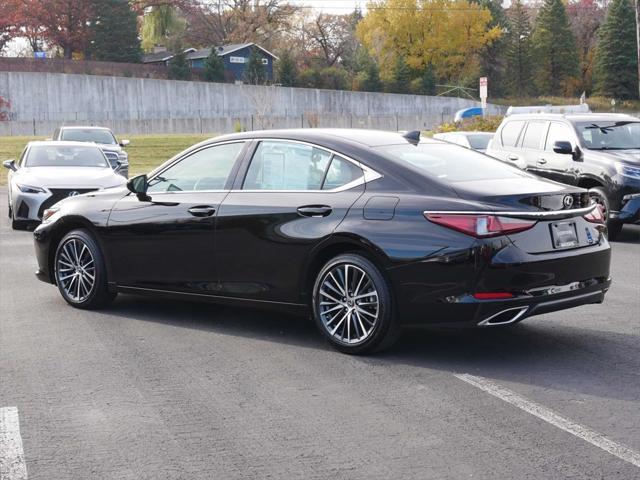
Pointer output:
x,y
564,235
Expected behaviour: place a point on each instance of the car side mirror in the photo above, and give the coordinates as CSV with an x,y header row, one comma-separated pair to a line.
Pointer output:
x,y
10,164
124,143
139,186
563,147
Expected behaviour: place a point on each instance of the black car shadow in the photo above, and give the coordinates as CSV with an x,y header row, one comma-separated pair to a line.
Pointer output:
x,y
629,234
536,352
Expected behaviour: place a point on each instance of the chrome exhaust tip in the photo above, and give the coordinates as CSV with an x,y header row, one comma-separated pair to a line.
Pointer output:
x,y
504,317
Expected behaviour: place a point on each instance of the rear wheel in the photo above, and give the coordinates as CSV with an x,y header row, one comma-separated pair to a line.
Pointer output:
x,y
599,196
352,305
80,271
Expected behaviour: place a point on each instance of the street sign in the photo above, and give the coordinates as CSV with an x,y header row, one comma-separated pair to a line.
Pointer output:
x,y
483,91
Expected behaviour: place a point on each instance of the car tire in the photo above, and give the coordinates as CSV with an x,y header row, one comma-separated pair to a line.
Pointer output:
x,y
614,227
362,320
80,273
17,224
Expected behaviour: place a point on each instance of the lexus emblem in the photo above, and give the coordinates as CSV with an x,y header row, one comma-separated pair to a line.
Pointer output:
x,y
567,201
73,193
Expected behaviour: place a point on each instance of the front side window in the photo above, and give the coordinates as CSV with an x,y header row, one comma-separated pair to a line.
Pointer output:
x,y
206,169
64,156
558,132
104,137
282,165
533,135
603,135
510,133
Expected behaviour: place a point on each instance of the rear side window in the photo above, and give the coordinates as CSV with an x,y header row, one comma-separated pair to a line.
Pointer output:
x,y
341,172
534,134
282,165
510,133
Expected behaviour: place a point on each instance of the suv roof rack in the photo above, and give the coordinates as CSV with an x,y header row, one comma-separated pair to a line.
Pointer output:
x,y
582,108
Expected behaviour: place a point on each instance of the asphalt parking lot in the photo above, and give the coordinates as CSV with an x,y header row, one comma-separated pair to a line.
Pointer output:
x,y
151,389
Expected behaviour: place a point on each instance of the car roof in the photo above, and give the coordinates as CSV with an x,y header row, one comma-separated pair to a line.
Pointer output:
x,y
369,138
574,117
62,143
463,133
84,127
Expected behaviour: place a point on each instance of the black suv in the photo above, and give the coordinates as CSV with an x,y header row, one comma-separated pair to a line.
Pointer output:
x,y
600,152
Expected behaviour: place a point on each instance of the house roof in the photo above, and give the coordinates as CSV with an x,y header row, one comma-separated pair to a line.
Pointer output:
x,y
226,50
162,56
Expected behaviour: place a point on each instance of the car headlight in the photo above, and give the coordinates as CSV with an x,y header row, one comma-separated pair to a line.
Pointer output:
x,y
627,170
50,214
30,189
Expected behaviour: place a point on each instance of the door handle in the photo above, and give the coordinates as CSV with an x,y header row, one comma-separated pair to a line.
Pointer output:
x,y
202,211
513,158
314,210
542,161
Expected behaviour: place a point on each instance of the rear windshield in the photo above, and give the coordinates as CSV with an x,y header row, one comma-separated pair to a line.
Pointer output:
x,y
104,137
479,142
65,156
451,163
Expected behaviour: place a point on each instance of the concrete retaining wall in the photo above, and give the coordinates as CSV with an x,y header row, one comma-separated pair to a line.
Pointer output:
x,y
42,101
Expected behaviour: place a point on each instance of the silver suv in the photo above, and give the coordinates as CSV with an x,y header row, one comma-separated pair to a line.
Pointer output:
x,y
600,152
104,138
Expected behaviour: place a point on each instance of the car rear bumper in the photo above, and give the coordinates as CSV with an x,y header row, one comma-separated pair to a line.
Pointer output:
x,y
440,292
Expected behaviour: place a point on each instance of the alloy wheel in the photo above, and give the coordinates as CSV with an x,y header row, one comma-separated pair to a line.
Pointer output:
x,y
348,304
76,270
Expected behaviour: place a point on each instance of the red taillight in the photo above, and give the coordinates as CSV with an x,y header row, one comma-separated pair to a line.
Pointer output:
x,y
480,226
595,216
492,295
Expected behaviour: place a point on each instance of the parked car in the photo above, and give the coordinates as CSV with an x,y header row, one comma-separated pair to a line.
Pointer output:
x,y
475,140
47,172
370,231
113,150
597,151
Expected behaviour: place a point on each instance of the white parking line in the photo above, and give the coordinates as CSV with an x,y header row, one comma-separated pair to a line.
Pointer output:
x,y
549,416
12,466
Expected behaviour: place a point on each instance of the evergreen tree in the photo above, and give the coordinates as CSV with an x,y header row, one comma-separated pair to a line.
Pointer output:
x,y
616,63
179,68
371,81
493,55
428,80
254,72
401,76
287,71
115,32
519,52
213,70
555,49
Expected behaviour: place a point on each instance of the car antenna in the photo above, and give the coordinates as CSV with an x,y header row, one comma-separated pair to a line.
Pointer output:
x,y
413,136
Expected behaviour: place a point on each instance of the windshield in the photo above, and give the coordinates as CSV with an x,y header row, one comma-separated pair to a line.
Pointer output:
x,y
603,135
104,137
451,163
65,156
479,142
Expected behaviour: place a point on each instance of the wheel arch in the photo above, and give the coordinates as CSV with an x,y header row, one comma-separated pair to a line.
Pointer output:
x,y
332,247
62,228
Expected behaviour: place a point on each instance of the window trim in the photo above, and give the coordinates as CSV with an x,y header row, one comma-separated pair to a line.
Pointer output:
x,y
232,173
368,174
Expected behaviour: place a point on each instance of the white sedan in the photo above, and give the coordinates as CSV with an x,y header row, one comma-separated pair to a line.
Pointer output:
x,y
474,140
48,172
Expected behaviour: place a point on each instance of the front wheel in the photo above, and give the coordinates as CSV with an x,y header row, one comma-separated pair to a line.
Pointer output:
x,y
352,305
80,271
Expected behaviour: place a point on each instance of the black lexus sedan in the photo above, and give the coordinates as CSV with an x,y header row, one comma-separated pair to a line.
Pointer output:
x,y
370,231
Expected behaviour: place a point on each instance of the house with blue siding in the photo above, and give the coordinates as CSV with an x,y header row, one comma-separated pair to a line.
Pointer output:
x,y
234,57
